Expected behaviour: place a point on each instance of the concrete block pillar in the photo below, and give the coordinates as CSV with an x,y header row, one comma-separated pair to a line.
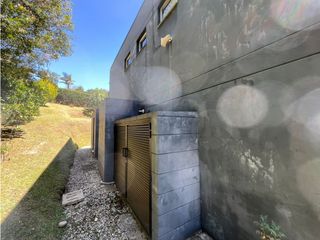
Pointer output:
x,y
175,175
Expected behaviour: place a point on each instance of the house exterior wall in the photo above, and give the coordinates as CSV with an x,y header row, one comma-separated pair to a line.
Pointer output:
x,y
95,133
250,69
110,111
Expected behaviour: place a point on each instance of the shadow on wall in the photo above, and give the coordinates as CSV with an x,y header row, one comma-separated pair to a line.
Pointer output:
x,y
259,149
274,152
38,213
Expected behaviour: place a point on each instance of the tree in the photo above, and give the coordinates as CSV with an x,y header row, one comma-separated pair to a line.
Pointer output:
x,y
78,88
51,76
67,80
33,33
90,99
48,88
96,97
21,106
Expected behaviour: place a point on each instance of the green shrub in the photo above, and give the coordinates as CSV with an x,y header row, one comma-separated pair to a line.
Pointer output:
x,y
21,102
72,97
49,89
4,152
88,112
90,99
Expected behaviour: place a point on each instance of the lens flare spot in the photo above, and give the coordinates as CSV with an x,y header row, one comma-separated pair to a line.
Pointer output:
x,y
306,112
242,106
294,14
314,128
154,85
308,178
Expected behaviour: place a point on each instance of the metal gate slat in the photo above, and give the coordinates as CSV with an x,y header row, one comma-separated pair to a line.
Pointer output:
x,y
120,161
134,171
139,172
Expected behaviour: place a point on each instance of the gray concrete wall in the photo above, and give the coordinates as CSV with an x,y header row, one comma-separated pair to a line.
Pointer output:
x,y
110,111
251,71
95,133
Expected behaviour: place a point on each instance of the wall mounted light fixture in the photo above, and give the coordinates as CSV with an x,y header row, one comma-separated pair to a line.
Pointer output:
x,y
165,40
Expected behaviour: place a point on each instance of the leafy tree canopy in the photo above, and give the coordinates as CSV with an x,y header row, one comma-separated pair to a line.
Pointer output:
x,y
67,80
51,76
33,33
48,88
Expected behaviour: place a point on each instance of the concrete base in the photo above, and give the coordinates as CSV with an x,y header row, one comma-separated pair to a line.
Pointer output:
x,y
106,183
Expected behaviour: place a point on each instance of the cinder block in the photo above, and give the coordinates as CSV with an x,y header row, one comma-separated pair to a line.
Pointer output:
x,y
174,125
174,161
176,114
174,143
184,231
172,180
170,221
166,202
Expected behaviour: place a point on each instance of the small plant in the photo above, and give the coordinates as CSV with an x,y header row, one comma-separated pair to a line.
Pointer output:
x,y
4,152
269,231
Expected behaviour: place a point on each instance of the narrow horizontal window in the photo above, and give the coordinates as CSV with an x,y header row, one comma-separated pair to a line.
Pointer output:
x,y
165,9
128,61
142,41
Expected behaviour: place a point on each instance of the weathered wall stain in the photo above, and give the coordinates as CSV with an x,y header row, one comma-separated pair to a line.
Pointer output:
x,y
251,71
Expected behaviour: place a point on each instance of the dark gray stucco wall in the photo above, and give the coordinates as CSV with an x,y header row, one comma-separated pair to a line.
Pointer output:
x,y
110,111
95,133
251,71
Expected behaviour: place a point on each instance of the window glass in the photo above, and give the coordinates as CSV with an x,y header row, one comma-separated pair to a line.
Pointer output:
x,y
142,41
128,60
166,8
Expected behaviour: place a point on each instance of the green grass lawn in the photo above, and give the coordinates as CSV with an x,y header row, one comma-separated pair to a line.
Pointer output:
x,y
36,170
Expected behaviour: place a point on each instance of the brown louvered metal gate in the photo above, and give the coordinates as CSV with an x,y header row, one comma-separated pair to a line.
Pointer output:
x,y
135,148
120,159
139,172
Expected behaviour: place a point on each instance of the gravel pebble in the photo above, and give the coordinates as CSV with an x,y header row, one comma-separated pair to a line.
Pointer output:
x,y
62,224
200,236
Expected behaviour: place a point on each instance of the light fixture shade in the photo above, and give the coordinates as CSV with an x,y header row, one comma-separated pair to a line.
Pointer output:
x,y
165,40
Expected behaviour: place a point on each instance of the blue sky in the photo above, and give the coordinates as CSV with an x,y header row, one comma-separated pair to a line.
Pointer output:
x,y
100,27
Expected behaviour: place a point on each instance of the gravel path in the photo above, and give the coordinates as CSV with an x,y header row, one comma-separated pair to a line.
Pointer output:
x,y
102,214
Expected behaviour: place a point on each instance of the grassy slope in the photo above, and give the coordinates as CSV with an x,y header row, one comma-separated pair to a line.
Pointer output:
x,y
43,151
